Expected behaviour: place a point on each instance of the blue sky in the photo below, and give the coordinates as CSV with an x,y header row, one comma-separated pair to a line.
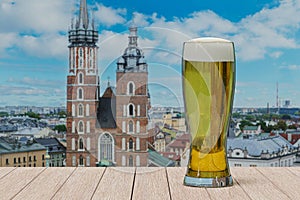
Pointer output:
x,y
34,53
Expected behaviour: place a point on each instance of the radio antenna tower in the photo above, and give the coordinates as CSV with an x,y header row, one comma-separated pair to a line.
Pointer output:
x,y
277,98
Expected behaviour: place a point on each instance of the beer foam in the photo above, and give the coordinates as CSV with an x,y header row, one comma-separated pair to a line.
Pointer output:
x,y
208,49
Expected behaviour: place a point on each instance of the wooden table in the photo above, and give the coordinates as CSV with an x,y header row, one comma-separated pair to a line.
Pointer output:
x,y
143,183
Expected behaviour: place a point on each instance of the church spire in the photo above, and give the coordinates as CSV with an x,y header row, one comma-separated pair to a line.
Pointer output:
x,y
83,15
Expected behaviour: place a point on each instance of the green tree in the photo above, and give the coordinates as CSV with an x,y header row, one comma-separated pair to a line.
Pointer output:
x,y
245,123
60,128
33,115
62,114
281,125
286,117
4,114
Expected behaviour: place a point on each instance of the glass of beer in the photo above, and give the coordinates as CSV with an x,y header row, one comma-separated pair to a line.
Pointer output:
x,y
208,67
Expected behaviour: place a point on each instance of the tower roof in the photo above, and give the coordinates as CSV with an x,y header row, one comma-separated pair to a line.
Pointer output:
x,y
84,33
83,21
132,59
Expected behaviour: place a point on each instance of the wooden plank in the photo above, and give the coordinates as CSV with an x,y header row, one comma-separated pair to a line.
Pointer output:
x,y
151,183
295,170
232,192
81,185
5,170
180,191
284,179
116,183
46,184
14,182
256,185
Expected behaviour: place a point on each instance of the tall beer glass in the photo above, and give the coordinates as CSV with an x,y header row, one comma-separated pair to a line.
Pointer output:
x,y
208,87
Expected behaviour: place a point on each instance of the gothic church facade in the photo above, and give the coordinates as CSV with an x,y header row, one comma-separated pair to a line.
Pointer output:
x,y
112,129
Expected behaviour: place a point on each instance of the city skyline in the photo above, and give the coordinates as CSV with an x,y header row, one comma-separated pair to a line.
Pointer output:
x,y
34,52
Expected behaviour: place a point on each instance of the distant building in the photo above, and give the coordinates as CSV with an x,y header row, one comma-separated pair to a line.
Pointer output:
x,y
161,140
56,151
16,154
265,152
174,121
252,130
291,135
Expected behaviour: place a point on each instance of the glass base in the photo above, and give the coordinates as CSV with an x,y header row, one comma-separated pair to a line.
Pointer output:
x,y
208,182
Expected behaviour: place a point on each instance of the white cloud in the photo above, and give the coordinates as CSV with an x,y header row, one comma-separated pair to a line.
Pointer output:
x,y
109,16
291,67
34,15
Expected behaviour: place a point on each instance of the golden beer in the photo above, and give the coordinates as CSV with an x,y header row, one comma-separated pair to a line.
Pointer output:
x,y
208,87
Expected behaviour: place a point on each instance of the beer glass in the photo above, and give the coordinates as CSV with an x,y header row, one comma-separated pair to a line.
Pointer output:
x,y
208,68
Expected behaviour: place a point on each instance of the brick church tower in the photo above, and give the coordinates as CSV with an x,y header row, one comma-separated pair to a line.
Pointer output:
x,y
82,90
110,130
132,101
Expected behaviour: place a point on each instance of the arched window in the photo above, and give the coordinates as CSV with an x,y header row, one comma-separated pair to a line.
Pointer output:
x,y
130,110
130,144
80,127
137,144
106,147
123,144
88,127
123,160
130,88
124,127
138,161
80,78
80,93
73,144
80,58
80,143
87,110
130,127
138,127
88,161
130,161
80,110
81,160
73,161
73,127
88,144
73,110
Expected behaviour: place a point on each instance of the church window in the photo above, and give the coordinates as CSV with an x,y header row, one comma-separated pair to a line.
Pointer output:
x,y
73,110
130,125
130,110
123,144
80,110
73,127
74,161
81,160
88,144
137,144
138,126
80,78
80,143
88,161
130,144
88,127
106,147
80,127
80,52
130,88
124,127
123,160
138,161
138,110
87,109
130,161
73,144
80,93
